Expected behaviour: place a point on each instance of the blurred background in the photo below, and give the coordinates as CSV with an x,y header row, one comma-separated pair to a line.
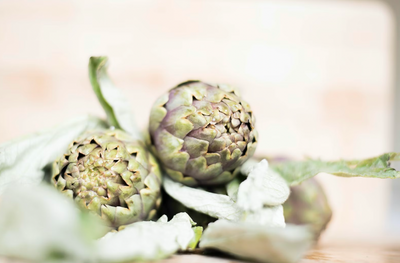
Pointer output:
x,y
320,76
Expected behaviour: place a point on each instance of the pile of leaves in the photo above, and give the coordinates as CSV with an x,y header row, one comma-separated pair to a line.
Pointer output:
x,y
244,218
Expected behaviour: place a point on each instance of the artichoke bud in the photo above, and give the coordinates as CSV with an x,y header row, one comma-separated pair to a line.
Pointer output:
x,y
112,175
308,205
202,133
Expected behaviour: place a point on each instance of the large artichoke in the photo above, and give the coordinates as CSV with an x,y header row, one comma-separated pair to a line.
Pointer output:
x,y
112,175
202,132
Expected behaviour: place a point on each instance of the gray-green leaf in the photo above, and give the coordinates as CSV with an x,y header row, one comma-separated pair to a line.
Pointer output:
x,y
259,243
114,103
262,187
294,172
214,205
148,240
224,207
22,160
270,216
39,224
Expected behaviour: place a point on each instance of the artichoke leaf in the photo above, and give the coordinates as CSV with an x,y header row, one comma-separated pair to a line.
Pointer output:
x,y
22,160
148,240
114,103
271,216
295,172
232,188
198,232
246,168
258,243
262,187
38,224
257,200
214,205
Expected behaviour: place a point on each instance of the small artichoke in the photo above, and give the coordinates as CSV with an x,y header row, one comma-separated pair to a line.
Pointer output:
x,y
112,175
308,205
202,132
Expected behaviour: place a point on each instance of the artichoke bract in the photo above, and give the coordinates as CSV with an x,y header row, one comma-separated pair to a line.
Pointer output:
x,y
112,175
202,132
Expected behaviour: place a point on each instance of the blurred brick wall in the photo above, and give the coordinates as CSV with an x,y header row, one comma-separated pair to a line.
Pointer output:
x,y
318,74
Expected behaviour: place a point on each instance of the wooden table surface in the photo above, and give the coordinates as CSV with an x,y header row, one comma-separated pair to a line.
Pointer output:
x,y
326,254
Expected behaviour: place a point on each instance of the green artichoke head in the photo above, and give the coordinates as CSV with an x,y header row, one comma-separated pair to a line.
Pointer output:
x,y
202,132
308,205
112,175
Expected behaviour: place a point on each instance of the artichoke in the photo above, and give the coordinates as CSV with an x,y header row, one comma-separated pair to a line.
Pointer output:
x,y
202,132
308,205
112,175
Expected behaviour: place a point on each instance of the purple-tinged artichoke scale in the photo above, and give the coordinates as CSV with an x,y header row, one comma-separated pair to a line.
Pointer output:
x,y
205,131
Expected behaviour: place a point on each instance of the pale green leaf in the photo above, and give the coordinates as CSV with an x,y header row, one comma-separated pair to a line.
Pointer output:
x,y
117,107
246,168
39,224
256,242
232,189
214,205
271,216
222,206
22,160
294,172
198,232
148,240
262,187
